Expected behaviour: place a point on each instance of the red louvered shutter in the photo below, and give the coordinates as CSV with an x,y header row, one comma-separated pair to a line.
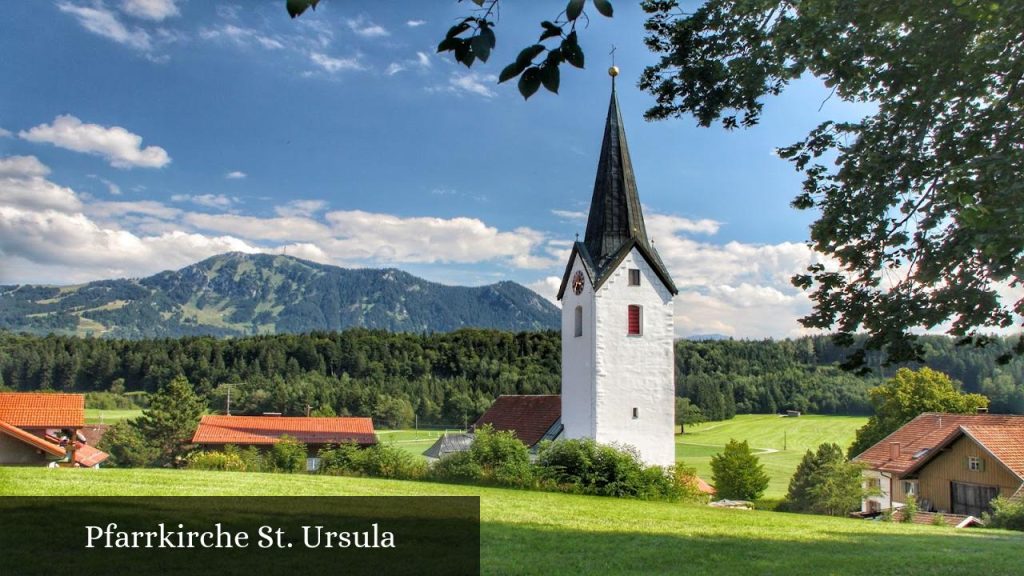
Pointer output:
x,y
634,320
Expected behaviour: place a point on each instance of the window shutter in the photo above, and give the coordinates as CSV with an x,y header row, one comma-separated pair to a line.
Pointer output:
x,y
634,319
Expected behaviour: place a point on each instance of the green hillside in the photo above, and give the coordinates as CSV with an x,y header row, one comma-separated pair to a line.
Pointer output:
x,y
544,533
781,442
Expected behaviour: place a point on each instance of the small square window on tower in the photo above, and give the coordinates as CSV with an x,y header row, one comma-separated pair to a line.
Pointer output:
x,y
634,277
636,413
635,324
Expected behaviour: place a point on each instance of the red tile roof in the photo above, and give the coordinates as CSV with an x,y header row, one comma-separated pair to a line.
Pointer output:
x,y
530,417
30,439
85,455
931,431
245,430
41,410
1006,443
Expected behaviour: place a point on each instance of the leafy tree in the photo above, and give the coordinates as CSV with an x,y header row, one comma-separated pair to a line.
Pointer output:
x,y
127,447
170,421
825,483
737,473
687,413
905,396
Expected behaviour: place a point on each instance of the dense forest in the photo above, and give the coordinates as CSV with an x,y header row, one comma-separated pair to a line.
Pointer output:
x,y
451,378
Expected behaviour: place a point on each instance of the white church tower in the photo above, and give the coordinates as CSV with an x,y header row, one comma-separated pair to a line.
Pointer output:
x,y
617,318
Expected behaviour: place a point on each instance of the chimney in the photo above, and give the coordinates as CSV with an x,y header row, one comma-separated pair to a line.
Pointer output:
x,y
894,450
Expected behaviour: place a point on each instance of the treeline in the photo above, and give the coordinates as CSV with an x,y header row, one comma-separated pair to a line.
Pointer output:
x,y
728,377
452,378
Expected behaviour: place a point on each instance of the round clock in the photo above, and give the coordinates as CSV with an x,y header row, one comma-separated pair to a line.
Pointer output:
x,y
577,282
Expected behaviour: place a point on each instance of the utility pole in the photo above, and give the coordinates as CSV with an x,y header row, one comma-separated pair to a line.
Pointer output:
x,y
228,411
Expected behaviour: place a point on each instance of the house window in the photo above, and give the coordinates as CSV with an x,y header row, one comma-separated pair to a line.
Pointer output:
x,y
634,277
579,321
635,320
909,488
636,413
975,464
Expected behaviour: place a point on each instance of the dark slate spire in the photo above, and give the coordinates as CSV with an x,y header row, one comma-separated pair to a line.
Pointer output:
x,y
615,215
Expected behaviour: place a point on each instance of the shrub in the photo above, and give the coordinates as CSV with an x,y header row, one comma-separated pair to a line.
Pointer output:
x,y
215,460
737,473
939,520
252,458
1006,514
493,450
288,455
909,510
457,467
339,460
389,461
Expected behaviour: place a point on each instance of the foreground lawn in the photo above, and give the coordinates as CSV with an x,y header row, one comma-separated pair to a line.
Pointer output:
x,y
781,442
543,533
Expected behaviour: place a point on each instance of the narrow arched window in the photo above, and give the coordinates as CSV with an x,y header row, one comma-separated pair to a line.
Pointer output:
x,y
579,321
635,324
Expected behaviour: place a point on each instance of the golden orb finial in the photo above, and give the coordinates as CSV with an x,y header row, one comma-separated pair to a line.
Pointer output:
x,y
613,71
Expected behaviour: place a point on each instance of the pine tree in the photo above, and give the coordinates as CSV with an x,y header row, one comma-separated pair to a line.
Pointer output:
x,y
825,483
171,419
737,473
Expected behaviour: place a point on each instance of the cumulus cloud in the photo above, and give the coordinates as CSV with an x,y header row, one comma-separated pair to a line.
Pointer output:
x,y
101,21
547,287
333,65
415,23
240,36
362,27
22,167
570,215
155,10
208,200
121,148
235,175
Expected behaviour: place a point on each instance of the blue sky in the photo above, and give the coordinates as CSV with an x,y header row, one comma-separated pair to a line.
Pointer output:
x,y
142,135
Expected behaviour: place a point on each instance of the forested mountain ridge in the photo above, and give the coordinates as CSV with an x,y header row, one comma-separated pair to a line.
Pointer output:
x,y
238,294
452,377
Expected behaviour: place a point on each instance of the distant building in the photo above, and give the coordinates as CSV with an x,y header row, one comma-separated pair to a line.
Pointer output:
x,y
39,429
214,432
532,418
449,443
951,463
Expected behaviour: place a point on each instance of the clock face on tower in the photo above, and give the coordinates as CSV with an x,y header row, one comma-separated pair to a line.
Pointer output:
x,y
577,282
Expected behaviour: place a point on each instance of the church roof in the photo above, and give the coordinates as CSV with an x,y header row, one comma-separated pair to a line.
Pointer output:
x,y
616,222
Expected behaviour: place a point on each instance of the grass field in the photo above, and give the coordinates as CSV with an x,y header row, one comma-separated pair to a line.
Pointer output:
x,y
98,416
781,442
414,441
543,533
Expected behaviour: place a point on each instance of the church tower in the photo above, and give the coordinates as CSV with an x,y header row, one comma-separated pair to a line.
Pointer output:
x,y
617,317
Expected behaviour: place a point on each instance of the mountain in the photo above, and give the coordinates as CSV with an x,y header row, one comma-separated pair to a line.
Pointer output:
x,y
236,294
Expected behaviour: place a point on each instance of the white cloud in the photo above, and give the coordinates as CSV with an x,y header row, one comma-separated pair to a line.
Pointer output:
x,y
112,188
155,10
332,65
469,83
235,175
240,36
120,147
547,287
366,29
676,224
300,208
394,68
415,23
5,133
420,62
101,21
22,167
208,200
143,207
261,229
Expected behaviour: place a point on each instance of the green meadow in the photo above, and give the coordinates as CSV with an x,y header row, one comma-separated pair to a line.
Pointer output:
x,y
544,533
101,416
779,442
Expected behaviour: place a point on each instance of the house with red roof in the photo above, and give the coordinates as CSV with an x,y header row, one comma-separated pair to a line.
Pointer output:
x,y
532,418
952,464
41,428
215,432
